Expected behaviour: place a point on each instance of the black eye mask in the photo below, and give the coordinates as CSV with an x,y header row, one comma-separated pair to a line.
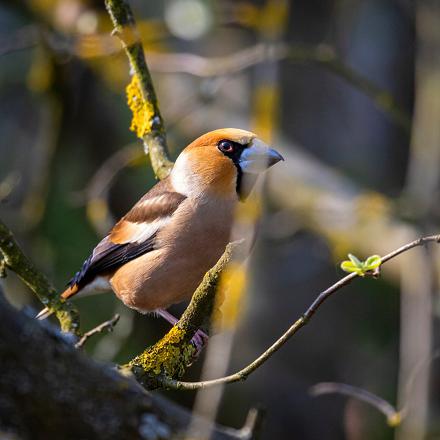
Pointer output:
x,y
245,181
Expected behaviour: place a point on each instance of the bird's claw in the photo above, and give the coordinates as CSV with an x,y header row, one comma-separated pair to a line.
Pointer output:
x,y
199,340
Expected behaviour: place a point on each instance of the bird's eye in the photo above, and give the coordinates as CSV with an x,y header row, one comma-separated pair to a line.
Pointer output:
x,y
226,146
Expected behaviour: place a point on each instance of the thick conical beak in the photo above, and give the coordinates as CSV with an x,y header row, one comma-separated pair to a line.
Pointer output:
x,y
273,157
258,157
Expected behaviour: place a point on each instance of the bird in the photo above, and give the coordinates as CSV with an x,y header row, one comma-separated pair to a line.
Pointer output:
x,y
158,253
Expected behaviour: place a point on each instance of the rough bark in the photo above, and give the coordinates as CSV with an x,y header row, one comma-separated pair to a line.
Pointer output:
x,y
50,390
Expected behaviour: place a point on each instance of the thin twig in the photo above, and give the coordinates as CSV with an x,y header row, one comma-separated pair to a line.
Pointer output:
x,y
326,57
252,427
207,67
323,56
393,416
105,326
154,136
296,326
409,387
24,38
96,193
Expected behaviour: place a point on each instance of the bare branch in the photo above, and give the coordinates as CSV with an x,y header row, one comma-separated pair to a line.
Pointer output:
x,y
326,57
393,416
323,56
253,424
49,390
105,326
295,327
24,38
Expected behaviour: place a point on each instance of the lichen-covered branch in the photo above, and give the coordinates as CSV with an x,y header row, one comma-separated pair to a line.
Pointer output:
x,y
170,357
147,121
14,259
245,372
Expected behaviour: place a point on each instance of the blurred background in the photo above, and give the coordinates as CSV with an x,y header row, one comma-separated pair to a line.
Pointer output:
x,y
347,90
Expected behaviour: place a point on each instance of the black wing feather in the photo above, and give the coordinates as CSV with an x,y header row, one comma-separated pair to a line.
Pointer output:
x,y
113,256
109,255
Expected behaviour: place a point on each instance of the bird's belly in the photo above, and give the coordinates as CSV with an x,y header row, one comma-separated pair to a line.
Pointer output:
x,y
171,274
158,281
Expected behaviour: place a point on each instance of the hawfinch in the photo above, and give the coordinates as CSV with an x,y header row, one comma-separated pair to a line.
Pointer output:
x,y
158,253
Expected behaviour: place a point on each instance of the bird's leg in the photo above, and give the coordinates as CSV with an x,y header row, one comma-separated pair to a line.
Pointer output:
x,y
199,339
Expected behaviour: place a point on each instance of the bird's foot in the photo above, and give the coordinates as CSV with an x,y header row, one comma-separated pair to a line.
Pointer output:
x,y
199,340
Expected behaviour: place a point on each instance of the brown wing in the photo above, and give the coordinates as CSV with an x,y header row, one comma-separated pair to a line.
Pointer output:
x,y
132,236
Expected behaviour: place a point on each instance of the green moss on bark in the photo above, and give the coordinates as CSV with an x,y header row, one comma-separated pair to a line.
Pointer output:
x,y
15,260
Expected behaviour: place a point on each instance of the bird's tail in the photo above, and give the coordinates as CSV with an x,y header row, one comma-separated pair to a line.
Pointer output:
x,y
46,312
70,291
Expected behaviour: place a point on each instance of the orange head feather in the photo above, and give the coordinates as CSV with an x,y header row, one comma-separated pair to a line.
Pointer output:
x,y
203,168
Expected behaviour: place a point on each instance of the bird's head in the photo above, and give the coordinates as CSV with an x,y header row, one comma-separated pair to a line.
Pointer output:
x,y
225,162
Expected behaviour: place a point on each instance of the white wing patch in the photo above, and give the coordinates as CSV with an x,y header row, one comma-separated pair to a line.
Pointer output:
x,y
139,232
152,201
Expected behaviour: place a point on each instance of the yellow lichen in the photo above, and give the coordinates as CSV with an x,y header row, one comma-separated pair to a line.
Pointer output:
x,y
143,111
169,356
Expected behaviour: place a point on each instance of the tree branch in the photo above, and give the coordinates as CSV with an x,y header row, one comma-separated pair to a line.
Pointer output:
x,y
15,260
105,326
170,356
160,364
206,67
296,326
323,56
392,415
50,390
150,127
174,352
326,57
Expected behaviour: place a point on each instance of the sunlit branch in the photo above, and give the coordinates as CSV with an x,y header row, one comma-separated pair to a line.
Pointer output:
x,y
295,327
154,136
